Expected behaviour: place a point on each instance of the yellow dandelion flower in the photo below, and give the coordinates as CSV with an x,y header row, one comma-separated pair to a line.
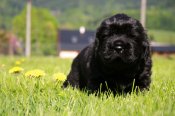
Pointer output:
x,y
37,73
59,77
17,62
16,70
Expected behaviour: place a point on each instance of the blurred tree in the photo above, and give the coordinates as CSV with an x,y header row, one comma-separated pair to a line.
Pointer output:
x,y
161,19
73,13
43,30
4,42
9,44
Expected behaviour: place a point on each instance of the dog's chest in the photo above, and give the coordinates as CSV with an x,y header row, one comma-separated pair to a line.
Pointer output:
x,y
119,81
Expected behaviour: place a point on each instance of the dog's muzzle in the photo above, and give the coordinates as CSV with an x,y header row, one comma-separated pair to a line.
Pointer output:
x,y
115,51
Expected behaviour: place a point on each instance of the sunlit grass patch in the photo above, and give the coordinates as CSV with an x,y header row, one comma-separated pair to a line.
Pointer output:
x,y
43,96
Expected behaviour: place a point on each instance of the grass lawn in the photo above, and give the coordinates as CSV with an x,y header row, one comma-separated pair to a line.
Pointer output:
x,y
20,95
162,36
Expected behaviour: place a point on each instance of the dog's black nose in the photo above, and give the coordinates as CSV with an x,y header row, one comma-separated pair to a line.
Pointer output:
x,y
119,47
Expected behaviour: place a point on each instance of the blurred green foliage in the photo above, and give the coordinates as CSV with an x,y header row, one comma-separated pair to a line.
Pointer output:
x,y
162,36
74,13
161,19
48,16
43,30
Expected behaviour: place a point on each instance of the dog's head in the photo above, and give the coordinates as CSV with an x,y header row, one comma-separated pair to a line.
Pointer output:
x,y
121,40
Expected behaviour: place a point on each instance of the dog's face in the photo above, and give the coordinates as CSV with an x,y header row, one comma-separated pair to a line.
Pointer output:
x,y
121,41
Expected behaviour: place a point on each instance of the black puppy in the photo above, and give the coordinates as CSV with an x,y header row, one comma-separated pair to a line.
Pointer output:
x,y
119,59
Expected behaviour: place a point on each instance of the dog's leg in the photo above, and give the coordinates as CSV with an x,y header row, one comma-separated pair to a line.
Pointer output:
x,y
144,80
96,85
73,77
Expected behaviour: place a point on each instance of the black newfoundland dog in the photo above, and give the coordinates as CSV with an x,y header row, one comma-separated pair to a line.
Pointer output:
x,y
119,60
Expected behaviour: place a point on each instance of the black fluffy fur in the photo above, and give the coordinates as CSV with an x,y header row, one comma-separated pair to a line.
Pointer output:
x,y
119,59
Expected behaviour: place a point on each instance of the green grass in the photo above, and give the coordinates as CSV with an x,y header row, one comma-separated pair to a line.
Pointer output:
x,y
162,36
30,96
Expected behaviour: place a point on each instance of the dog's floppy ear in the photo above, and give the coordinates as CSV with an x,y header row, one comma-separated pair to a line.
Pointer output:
x,y
101,30
146,48
96,44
